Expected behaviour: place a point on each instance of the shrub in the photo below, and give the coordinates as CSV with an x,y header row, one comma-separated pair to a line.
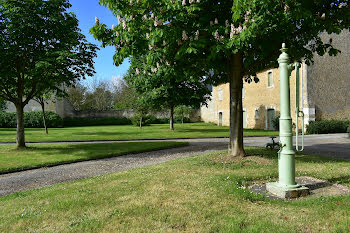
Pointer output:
x,y
146,120
8,120
31,120
276,123
327,126
162,121
71,122
178,119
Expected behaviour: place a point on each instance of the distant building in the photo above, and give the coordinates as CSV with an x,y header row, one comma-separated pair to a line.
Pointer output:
x,y
325,92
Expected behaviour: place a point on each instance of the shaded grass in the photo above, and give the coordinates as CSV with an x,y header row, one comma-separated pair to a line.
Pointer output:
x,y
199,194
12,159
114,132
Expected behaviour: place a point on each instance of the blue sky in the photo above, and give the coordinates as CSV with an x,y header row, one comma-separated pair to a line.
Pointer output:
x,y
86,10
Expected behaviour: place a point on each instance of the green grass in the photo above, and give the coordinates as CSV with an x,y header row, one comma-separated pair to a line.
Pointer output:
x,y
127,132
53,154
196,194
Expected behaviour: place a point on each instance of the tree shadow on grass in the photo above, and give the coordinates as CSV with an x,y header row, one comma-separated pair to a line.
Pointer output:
x,y
96,150
300,156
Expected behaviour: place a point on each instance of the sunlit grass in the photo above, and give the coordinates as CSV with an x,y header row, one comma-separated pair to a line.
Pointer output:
x,y
191,130
196,194
53,154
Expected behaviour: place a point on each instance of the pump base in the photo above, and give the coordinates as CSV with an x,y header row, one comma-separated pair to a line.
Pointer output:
x,y
287,192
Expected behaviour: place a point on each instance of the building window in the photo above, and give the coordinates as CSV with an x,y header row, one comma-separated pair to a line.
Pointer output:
x,y
256,114
220,97
269,79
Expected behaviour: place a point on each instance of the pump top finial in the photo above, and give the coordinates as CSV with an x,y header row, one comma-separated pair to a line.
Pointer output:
x,y
284,49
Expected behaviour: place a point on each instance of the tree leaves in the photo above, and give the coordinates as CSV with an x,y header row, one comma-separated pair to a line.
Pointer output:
x,y
41,49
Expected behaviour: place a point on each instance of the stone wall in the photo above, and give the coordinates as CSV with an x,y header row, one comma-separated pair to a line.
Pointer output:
x,y
65,109
32,106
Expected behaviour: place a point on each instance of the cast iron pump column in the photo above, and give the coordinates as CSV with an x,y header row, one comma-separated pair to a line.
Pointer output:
x,y
286,186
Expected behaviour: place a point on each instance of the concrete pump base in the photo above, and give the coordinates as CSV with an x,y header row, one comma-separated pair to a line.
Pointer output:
x,y
287,192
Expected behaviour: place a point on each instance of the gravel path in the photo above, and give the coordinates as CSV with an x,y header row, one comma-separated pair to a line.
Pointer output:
x,y
335,145
20,181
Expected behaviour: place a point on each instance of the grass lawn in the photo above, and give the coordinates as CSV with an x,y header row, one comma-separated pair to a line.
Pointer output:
x,y
52,154
196,194
127,132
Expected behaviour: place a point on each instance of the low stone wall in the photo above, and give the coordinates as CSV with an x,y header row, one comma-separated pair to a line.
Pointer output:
x,y
65,110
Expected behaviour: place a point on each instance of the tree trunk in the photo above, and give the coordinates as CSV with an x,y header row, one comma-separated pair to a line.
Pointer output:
x,y
44,116
21,144
182,119
171,117
236,148
141,121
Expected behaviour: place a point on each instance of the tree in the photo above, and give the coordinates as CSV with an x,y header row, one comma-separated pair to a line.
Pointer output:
x,y
42,100
124,96
41,49
3,105
166,86
232,39
181,111
76,96
99,97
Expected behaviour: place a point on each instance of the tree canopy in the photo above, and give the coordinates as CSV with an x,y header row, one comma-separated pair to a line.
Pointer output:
x,y
166,86
231,39
42,49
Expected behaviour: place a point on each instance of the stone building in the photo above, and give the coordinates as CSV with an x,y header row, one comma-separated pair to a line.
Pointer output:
x,y
324,86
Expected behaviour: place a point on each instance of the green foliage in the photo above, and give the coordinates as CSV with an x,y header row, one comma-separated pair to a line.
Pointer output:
x,y
42,49
276,123
76,96
180,112
71,122
327,126
45,59
125,96
178,119
3,105
31,120
223,41
146,120
166,86
216,30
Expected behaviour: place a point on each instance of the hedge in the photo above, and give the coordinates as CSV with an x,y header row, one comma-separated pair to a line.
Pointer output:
x,y
31,120
71,122
327,126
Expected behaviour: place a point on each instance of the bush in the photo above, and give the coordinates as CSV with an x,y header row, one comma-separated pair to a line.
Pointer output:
x,y
178,119
327,126
71,122
276,123
8,120
154,120
146,120
31,120
161,121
